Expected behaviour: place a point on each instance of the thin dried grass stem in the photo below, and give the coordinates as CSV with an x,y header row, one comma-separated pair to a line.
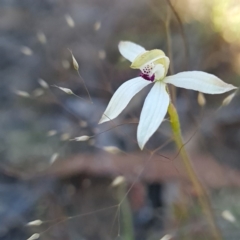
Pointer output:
x,y
169,51
182,33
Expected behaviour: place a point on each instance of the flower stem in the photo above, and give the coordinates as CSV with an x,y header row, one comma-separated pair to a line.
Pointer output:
x,y
201,193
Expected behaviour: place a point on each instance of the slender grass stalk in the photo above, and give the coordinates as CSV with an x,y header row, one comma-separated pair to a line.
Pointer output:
x,y
182,33
125,212
201,193
169,51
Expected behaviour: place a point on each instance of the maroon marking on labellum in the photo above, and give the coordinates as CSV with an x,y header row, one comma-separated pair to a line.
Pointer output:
x,y
147,77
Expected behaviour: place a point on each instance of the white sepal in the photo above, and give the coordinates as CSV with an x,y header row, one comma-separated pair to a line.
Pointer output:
x,y
122,97
130,50
153,112
199,81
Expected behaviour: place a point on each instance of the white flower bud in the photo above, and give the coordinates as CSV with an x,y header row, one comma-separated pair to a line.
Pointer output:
x,y
118,181
54,158
42,83
75,63
81,138
22,93
112,149
228,99
35,223
26,50
41,37
227,215
201,99
66,90
97,25
69,21
34,236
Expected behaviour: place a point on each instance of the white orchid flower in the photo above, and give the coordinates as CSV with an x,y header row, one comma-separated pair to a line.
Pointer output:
x,y
154,66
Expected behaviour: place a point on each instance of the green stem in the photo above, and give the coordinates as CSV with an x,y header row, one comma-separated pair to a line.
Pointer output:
x,y
201,193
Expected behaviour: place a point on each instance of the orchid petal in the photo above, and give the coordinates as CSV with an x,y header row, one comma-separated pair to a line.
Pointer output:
x,y
199,81
153,112
130,50
122,97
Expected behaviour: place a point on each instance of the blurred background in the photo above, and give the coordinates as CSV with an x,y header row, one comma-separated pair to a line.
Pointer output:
x,y
105,187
